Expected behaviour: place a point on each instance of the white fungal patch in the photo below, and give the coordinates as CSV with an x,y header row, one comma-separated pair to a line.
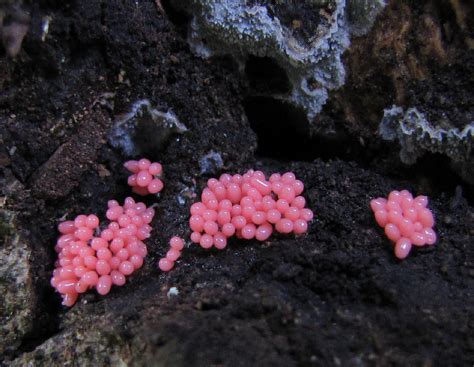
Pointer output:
x,y
172,292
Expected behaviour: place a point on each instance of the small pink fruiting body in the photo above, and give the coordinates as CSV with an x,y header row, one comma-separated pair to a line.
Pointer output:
x,y
247,206
174,253
406,220
145,178
88,258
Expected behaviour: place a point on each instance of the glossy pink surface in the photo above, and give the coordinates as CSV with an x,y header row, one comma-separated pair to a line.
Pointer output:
x,y
406,220
91,258
145,178
174,253
247,206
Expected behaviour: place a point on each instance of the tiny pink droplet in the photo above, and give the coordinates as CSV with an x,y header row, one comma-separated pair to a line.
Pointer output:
x,y
144,164
402,248
137,261
132,166
144,178
173,254
392,232
263,232
126,267
426,217
381,217
102,267
406,227
211,228
117,278
104,284
177,243
239,221
300,226
220,241
69,299
165,264
378,204
155,186
92,221
418,239
206,241
430,236
67,227
195,237
228,229
248,231
284,226
395,196
155,169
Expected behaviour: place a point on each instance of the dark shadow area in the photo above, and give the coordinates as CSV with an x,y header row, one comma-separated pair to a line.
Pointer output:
x,y
177,17
266,76
283,133
282,129
47,324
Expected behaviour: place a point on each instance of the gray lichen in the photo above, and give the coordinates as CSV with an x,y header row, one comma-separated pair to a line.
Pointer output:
x,y
211,163
144,129
313,64
417,136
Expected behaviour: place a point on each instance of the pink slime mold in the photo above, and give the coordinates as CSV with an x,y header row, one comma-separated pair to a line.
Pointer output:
x,y
407,221
173,254
145,178
247,206
91,258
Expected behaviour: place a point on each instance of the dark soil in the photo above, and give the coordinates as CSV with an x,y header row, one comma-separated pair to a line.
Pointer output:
x,y
336,296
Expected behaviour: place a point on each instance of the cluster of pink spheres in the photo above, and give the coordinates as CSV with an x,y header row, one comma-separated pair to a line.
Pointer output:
x,y
90,259
407,220
145,176
249,206
173,254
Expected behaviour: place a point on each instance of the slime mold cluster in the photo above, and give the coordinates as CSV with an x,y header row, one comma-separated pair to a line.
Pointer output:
x,y
247,206
88,257
407,221
145,178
